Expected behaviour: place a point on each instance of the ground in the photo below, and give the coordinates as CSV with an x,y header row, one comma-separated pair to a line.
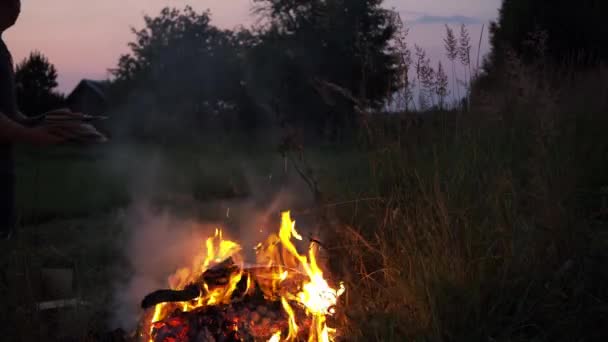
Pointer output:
x,y
75,206
460,231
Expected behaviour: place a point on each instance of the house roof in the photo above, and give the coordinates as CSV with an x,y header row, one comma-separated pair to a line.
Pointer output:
x,y
99,87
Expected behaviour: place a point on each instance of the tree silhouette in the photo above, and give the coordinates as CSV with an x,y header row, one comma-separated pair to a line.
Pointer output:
x,y
344,43
308,63
188,71
36,80
577,33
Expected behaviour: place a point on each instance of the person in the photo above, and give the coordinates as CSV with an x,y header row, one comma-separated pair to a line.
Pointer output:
x,y
14,128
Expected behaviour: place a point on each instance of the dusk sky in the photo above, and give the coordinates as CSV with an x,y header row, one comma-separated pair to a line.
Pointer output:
x,y
85,38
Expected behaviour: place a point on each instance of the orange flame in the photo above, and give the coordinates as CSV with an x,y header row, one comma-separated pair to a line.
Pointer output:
x,y
316,294
284,263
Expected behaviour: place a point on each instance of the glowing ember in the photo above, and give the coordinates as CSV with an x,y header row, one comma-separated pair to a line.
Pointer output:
x,y
286,298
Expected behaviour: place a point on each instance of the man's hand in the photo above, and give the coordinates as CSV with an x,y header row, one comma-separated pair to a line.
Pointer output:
x,y
51,134
63,113
59,111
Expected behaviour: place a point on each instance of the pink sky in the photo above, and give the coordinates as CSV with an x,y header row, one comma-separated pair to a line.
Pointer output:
x,y
85,38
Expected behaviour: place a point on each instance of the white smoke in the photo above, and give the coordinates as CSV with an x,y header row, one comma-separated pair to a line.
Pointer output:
x,y
161,239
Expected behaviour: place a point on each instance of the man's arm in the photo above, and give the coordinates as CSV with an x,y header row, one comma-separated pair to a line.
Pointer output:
x,y
11,131
21,118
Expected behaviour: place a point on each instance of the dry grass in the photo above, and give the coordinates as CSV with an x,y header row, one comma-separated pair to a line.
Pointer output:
x,y
492,225
483,226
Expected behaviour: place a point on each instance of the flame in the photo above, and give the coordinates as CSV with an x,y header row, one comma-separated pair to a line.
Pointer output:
x,y
216,250
293,326
276,337
283,266
316,294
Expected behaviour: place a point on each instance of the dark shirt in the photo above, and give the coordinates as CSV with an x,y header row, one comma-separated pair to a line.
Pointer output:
x,y
8,106
8,103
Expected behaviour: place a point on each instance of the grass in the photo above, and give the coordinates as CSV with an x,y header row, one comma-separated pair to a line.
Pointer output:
x,y
88,246
74,181
63,183
488,227
434,263
71,203
71,181
483,226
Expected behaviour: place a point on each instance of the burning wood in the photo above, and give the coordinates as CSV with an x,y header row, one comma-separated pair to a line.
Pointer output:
x,y
214,277
165,296
218,299
252,319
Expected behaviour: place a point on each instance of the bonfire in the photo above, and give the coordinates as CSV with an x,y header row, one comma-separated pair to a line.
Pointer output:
x,y
284,296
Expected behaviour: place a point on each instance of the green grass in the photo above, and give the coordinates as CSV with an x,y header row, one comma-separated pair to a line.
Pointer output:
x,y
494,229
75,181
65,182
70,201
90,247
479,234
484,226
72,181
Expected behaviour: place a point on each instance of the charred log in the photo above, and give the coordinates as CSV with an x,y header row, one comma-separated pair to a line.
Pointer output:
x,y
253,319
252,315
218,275
165,296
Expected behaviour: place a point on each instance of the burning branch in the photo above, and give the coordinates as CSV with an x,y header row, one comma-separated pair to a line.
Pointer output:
x,y
216,276
285,295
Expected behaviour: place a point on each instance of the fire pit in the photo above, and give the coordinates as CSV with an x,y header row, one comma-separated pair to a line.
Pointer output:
x,y
283,297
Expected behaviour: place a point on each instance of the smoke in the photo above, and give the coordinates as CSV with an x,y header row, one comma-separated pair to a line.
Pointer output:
x,y
177,193
158,245
166,226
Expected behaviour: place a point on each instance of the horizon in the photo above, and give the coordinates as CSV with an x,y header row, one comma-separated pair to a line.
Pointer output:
x,y
101,44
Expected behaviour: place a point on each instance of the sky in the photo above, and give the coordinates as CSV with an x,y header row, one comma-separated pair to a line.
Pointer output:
x,y
84,39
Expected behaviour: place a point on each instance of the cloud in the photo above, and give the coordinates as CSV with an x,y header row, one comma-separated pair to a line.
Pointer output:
x,y
484,9
455,19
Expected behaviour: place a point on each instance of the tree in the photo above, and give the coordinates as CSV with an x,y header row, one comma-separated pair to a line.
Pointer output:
x,y
180,55
188,71
342,42
577,33
36,80
308,63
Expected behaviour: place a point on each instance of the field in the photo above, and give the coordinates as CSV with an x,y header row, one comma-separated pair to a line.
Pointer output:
x,y
75,205
463,229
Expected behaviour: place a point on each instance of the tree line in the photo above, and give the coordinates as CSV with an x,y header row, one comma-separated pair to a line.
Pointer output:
x,y
313,64
302,65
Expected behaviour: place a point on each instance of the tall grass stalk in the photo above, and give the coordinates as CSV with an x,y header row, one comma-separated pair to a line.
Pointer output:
x,y
492,229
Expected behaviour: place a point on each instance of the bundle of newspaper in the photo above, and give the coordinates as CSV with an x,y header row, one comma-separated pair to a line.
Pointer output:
x,y
79,125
